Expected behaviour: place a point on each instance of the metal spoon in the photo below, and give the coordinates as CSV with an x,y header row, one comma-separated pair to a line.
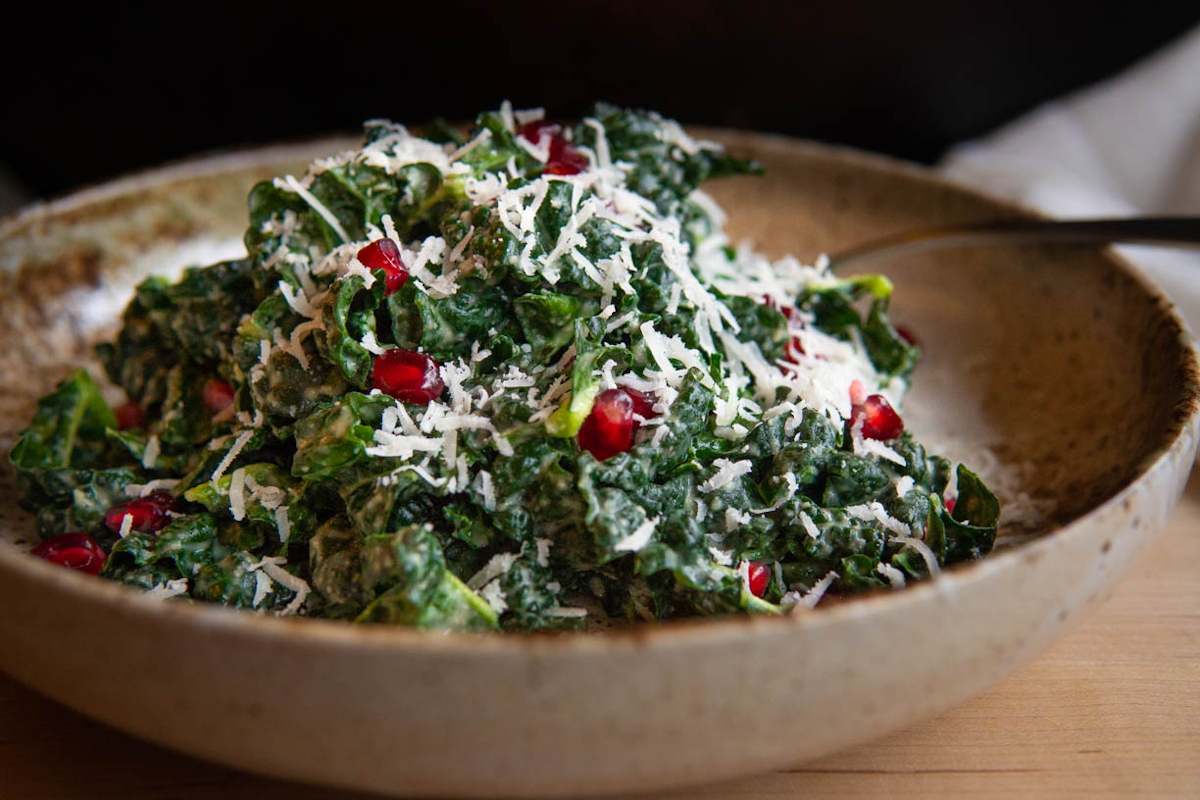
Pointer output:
x,y
1164,231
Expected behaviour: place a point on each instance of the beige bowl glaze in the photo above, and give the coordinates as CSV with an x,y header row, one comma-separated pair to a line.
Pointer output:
x,y
1064,361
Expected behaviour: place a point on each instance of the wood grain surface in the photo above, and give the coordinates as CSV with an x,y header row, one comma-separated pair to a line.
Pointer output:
x,y
1113,710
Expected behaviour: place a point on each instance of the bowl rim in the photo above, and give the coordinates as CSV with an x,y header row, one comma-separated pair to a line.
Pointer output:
x,y
704,631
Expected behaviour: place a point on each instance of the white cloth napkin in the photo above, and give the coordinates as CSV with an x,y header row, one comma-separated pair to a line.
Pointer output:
x,y
1128,145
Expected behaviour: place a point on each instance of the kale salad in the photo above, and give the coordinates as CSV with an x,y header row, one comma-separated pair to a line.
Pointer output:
x,y
515,379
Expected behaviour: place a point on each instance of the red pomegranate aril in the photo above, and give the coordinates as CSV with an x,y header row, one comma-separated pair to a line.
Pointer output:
x,y
218,395
408,376
563,158
879,419
532,131
949,504
73,550
643,404
384,254
149,514
164,501
566,161
760,576
608,429
130,415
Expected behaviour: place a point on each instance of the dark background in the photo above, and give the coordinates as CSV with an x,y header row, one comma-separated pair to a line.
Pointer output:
x,y
90,99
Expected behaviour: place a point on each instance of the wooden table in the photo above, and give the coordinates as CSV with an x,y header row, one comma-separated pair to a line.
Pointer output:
x,y
1111,711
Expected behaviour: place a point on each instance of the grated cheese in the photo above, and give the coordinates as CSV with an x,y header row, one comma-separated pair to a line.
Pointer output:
x,y
569,612
543,551
925,552
895,577
241,441
168,589
875,512
370,344
809,526
487,490
814,595
354,267
150,454
881,450
291,184
494,568
639,538
494,596
724,557
297,300
273,566
727,472
150,487
283,523
237,494
735,519
263,586
482,137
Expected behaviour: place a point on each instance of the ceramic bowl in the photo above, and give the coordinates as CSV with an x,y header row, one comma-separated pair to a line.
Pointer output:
x,y
1061,374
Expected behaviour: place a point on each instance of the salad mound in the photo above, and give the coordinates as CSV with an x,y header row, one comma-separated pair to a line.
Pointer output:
x,y
518,379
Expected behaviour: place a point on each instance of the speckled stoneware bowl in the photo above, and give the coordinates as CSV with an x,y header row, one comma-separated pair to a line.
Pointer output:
x,y
1066,364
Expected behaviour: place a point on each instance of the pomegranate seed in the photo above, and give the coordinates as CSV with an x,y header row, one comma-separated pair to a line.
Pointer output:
x,y
384,254
408,376
608,429
949,504
760,576
74,551
643,404
130,415
880,420
160,500
532,131
149,513
907,335
218,395
564,159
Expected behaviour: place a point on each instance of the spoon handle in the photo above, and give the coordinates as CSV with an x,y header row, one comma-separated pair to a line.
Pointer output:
x,y
1165,231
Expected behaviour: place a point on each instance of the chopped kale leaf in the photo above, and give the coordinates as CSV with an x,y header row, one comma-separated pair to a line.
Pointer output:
x,y
625,417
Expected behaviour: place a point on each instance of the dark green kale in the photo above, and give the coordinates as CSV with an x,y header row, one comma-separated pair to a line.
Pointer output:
x,y
346,319
406,574
447,327
663,170
337,437
970,530
538,282
68,430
